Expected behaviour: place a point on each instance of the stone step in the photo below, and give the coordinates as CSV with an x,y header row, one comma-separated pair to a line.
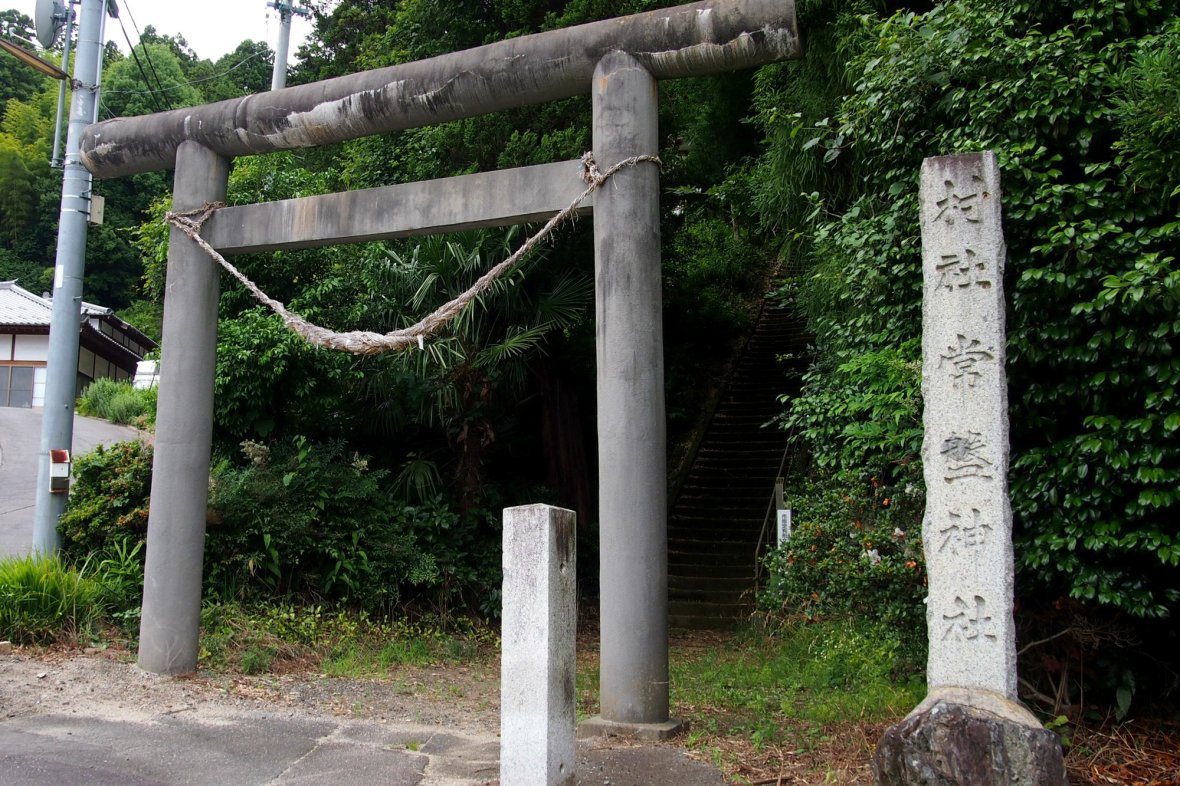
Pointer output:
x,y
720,515
715,549
721,570
726,585
707,616
721,510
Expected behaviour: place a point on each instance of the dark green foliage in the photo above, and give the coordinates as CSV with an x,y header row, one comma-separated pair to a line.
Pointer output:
x,y
108,499
29,275
856,546
1091,228
1147,107
17,80
244,71
147,316
269,379
318,521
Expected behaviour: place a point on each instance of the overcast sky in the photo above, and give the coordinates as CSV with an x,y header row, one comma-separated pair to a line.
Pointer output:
x,y
211,27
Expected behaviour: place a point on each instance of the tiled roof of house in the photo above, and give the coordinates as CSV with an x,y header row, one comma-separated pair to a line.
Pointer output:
x,y
19,306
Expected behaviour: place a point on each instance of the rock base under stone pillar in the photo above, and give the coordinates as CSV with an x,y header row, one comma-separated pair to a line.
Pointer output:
x,y
969,738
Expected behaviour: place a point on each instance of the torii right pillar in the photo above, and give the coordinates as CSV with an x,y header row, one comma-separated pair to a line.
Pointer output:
x,y
632,462
971,730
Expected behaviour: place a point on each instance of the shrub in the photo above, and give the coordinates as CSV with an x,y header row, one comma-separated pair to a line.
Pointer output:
x,y
118,402
42,600
851,553
317,520
108,503
1077,99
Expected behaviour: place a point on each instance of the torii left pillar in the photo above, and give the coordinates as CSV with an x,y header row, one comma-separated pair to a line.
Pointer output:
x,y
632,462
168,631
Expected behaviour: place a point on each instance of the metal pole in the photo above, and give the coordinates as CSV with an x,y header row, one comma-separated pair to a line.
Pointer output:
x,y
184,430
278,78
61,376
55,159
631,423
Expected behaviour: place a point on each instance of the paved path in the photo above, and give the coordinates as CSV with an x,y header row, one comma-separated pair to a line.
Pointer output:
x,y
103,722
20,439
261,748
205,744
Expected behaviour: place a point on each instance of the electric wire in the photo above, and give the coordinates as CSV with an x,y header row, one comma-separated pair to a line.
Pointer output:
x,y
151,92
179,85
139,37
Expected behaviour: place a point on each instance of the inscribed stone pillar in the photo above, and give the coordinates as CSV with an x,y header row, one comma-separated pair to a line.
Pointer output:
x,y
539,626
970,729
184,430
967,530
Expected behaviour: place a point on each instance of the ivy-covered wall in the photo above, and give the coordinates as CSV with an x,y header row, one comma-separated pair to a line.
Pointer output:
x,y
1079,100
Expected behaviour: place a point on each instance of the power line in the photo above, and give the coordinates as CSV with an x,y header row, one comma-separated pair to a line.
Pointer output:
x,y
203,79
139,65
139,37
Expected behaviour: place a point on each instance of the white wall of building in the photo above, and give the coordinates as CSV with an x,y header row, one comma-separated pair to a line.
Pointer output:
x,y
39,387
31,348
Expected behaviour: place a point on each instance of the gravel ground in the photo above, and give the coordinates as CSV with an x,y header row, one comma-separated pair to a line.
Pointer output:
x,y
108,684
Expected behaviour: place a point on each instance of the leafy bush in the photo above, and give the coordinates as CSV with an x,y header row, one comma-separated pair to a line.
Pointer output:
x,y
299,518
29,275
314,519
42,600
118,402
120,572
108,502
851,552
1090,219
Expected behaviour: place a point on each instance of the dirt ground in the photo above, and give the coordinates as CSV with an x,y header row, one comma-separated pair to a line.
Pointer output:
x,y
466,698
108,683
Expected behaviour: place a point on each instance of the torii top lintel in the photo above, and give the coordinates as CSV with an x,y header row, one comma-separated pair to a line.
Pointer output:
x,y
689,40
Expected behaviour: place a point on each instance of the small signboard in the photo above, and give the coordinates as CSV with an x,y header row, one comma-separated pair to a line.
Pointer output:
x,y
784,526
98,207
59,471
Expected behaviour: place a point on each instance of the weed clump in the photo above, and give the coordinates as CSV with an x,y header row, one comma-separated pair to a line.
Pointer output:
x,y
43,601
118,402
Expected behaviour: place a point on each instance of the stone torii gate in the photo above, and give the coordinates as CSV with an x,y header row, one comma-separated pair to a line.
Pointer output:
x,y
619,62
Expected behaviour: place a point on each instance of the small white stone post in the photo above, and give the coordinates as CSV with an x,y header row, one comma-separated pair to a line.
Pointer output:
x,y
539,622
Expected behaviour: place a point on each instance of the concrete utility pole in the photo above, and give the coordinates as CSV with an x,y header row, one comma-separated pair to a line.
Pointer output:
x,y
61,376
278,79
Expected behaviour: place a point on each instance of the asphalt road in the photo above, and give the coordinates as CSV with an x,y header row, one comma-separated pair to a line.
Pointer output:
x,y
20,439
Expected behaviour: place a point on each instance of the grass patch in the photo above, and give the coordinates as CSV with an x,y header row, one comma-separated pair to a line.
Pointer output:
x,y
284,637
785,687
802,692
118,402
385,646
43,601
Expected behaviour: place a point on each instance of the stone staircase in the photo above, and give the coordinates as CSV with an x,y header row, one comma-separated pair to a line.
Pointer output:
x,y
717,518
